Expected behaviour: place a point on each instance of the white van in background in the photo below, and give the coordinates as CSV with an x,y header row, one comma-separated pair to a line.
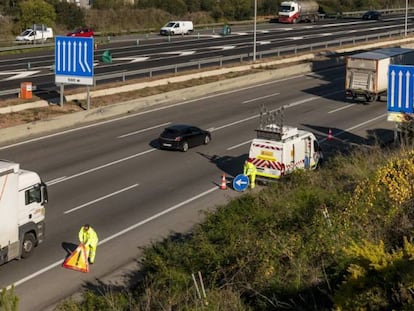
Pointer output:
x,y
37,33
177,28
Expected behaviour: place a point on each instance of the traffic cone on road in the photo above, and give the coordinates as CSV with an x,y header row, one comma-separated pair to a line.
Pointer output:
x,y
223,185
330,137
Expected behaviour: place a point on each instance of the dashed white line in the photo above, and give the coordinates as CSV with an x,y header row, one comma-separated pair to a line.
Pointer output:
x,y
259,98
239,145
58,180
100,199
144,130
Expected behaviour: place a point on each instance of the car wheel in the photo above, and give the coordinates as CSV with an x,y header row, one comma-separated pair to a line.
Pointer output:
x,y
184,146
206,140
28,245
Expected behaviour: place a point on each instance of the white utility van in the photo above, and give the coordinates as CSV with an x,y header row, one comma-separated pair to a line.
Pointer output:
x,y
35,34
278,150
177,28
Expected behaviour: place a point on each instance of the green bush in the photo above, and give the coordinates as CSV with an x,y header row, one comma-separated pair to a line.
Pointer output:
x,y
8,300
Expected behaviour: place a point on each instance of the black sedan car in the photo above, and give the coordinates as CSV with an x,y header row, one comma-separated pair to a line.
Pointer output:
x,y
372,15
182,137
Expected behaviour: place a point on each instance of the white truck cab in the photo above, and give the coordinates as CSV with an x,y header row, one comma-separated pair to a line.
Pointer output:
x,y
279,150
22,211
177,28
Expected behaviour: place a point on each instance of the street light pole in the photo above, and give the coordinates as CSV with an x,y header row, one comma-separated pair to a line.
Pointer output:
x,y
406,16
254,31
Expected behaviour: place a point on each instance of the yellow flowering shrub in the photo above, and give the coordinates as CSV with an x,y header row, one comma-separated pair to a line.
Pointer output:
x,y
395,180
375,274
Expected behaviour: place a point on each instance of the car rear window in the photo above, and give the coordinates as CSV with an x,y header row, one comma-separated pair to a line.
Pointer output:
x,y
171,132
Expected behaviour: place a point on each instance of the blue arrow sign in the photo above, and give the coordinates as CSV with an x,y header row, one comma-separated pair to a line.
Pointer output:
x,y
240,182
74,60
400,88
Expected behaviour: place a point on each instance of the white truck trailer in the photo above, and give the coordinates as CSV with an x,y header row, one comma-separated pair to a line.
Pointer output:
x,y
22,212
367,72
292,12
279,150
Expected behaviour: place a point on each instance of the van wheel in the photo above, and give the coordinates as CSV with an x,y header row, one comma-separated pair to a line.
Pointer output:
x,y
184,146
28,245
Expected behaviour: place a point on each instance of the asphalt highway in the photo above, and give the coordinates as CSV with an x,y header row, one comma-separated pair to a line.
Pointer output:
x,y
148,52
112,175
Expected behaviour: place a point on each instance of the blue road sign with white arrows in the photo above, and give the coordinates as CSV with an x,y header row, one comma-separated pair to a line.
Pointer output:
x,y
74,60
240,182
400,88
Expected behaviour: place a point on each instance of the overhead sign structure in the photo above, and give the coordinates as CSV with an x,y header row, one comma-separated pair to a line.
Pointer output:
x,y
74,60
240,182
400,93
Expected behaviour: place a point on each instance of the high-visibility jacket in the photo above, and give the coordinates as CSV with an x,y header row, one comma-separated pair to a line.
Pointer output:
x,y
249,169
88,237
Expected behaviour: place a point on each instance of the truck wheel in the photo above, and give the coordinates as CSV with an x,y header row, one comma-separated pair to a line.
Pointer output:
x,y
28,244
295,21
184,146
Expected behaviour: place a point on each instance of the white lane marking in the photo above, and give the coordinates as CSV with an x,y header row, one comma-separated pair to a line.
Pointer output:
x,y
259,98
356,126
363,123
179,53
122,232
58,180
239,145
131,59
300,102
150,111
213,129
100,199
17,74
144,130
341,108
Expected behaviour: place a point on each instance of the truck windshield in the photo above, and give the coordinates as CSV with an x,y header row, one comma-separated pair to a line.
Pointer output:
x,y
285,8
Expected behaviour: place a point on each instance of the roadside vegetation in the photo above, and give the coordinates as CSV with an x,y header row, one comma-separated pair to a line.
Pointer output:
x,y
117,16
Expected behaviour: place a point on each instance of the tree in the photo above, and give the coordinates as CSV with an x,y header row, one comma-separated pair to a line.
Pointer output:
x,y
107,4
36,12
70,15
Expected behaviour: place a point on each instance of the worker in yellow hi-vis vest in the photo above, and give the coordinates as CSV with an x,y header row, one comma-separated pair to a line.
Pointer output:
x,y
250,171
89,238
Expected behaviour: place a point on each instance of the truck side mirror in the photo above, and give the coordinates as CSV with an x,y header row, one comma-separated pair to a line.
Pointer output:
x,y
43,190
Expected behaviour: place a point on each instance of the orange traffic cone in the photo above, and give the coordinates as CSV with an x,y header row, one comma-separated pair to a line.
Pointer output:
x,y
223,185
330,137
